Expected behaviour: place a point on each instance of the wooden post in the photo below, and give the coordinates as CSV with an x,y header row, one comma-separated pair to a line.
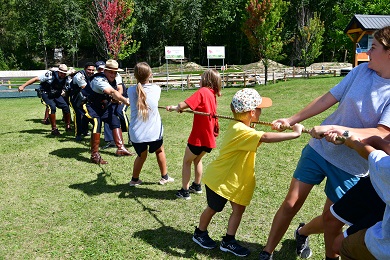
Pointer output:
x,y
188,81
9,86
244,80
273,75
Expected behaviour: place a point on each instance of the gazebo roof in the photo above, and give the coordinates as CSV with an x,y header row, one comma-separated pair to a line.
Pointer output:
x,y
367,22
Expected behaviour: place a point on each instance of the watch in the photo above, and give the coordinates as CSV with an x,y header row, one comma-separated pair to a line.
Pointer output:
x,y
346,133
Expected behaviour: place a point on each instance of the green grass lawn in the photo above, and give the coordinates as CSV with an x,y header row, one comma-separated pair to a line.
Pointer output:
x,y
55,204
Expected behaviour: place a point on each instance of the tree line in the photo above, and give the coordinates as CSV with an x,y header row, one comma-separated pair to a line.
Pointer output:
x,y
294,32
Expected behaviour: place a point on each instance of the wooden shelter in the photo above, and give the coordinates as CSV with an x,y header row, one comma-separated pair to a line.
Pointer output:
x,y
361,28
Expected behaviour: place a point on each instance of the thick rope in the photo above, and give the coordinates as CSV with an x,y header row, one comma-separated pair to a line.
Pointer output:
x,y
232,118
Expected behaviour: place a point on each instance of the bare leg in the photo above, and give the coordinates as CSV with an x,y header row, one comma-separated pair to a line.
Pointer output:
x,y
138,163
332,230
198,167
161,160
205,218
293,202
235,218
189,157
316,225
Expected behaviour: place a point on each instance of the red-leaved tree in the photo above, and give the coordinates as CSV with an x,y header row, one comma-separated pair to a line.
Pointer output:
x,y
115,23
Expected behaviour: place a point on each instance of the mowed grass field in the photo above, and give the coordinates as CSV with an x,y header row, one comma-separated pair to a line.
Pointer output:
x,y
55,204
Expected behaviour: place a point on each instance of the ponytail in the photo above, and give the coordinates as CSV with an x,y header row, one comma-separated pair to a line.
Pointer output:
x,y
142,71
143,108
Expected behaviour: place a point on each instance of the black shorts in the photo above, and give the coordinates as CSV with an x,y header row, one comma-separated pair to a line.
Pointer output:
x,y
360,207
215,201
142,147
198,149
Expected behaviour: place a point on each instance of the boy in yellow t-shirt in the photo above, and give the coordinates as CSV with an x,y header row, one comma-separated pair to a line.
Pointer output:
x,y
231,177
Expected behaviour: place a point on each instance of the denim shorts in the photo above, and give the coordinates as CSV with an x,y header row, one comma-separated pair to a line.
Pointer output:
x,y
313,168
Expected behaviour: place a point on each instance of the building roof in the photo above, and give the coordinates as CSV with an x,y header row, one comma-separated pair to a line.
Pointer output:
x,y
368,22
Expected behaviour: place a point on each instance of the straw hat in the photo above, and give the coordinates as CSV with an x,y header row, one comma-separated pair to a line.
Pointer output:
x,y
112,65
63,68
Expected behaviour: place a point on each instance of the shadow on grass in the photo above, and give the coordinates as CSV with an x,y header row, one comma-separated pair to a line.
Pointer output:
x,y
71,153
101,186
287,251
177,243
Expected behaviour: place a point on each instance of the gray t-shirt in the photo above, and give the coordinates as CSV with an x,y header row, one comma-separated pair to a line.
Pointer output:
x,y
152,129
364,100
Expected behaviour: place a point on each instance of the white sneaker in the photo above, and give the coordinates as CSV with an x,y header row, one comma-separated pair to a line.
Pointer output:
x,y
163,181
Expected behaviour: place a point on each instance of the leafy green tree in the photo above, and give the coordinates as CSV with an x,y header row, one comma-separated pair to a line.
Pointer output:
x,y
310,40
263,29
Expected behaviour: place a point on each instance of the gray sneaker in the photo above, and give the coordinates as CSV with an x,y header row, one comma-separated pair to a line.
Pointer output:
x,y
303,248
265,256
204,240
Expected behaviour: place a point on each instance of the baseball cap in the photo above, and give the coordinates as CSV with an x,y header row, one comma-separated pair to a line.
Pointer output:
x,y
100,64
248,99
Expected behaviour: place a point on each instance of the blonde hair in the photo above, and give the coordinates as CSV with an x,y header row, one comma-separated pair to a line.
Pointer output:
x,y
212,79
239,116
142,72
383,37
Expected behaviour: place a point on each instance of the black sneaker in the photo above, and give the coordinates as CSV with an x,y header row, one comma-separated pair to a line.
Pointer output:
x,y
234,248
195,188
303,249
183,194
265,256
204,240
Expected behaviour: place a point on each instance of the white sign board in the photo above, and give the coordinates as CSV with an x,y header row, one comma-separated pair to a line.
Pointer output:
x,y
174,52
215,52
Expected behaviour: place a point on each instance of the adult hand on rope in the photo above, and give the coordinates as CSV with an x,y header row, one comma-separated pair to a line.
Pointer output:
x,y
280,124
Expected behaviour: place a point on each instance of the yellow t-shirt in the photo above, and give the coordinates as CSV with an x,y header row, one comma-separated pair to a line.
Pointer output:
x,y
232,173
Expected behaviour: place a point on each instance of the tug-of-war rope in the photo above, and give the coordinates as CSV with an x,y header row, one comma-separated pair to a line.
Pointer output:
x,y
283,127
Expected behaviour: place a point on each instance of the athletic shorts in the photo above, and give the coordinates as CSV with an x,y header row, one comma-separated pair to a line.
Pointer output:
x,y
142,147
313,168
214,200
360,207
198,149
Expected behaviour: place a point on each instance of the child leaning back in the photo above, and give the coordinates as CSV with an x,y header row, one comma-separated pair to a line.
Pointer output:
x,y
146,129
230,177
204,130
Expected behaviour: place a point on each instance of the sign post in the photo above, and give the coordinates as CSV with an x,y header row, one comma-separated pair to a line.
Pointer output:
x,y
217,52
175,52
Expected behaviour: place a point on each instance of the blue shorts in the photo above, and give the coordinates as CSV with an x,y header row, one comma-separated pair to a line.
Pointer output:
x,y
313,168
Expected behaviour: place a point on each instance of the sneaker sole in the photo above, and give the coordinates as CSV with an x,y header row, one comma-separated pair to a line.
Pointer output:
x,y
135,184
205,247
184,198
230,251
196,192
303,256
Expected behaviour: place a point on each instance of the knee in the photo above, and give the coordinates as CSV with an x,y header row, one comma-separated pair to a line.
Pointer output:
x,y
290,208
331,221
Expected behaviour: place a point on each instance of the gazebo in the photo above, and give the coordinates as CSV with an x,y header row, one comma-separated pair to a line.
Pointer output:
x,y
360,30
